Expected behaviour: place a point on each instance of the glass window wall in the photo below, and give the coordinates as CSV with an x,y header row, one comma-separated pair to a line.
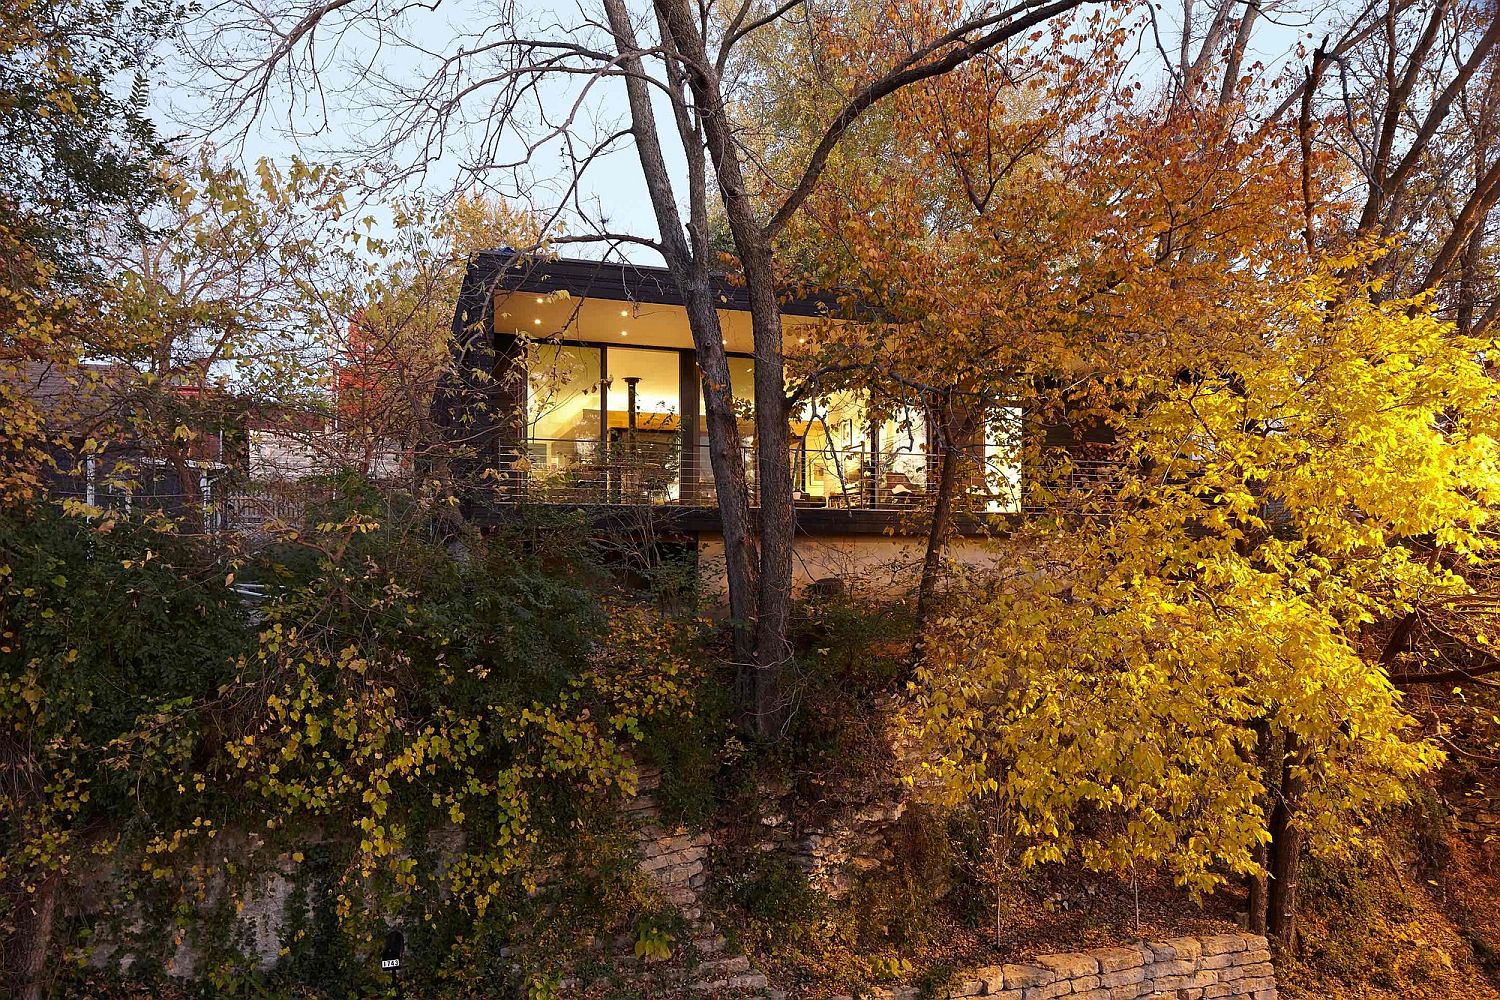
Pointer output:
x,y
644,390
904,458
831,454
742,389
612,418
564,405
1002,461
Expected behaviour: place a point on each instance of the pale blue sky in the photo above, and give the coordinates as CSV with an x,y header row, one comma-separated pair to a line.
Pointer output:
x,y
612,187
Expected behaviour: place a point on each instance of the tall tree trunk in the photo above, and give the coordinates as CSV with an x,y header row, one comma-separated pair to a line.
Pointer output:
x,y
1236,59
1466,288
727,461
36,913
773,435
1286,850
778,523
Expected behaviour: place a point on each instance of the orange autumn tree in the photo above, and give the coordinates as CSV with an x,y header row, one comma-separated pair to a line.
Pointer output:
x,y
932,245
398,338
1037,215
1172,667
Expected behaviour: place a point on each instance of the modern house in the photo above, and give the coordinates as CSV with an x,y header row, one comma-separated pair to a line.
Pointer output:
x,y
580,386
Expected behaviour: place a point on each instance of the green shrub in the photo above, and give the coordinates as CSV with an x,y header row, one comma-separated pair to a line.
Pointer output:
x,y
425,734
768,898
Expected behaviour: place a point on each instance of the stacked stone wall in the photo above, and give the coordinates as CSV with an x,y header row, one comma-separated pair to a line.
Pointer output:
x,y
676,860
1216,967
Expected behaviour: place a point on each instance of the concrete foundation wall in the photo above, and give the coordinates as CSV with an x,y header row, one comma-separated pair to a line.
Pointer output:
x,y
883,565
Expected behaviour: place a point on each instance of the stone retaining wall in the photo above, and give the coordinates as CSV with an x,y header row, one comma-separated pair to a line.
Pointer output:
x,y
1188,968
1230,966
675,859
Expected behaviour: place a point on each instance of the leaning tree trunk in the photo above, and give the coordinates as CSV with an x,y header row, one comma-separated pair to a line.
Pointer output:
x,y
956,428
937,533
690,271
1286,851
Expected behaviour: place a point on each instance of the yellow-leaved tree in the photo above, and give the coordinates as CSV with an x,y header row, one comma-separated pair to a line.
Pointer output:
x,y
1184,670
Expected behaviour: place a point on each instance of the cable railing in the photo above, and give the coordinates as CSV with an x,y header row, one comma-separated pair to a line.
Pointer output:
x,y
245,507
653,470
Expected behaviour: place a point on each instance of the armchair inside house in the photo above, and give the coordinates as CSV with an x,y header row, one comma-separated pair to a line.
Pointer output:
x,y
898,488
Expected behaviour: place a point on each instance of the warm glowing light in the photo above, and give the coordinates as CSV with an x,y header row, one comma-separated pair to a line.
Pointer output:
x,y
624,312
537,322
624,334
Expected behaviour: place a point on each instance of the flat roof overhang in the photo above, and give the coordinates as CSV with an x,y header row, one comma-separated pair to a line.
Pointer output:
x,y
618,303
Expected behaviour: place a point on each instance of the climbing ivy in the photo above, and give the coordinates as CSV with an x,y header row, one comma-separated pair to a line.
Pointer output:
x,y
405,732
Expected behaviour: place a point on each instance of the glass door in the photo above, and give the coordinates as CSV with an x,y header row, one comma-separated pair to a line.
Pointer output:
x,y
643,423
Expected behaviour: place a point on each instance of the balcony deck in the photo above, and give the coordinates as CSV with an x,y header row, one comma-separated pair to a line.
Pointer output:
x,y
628,487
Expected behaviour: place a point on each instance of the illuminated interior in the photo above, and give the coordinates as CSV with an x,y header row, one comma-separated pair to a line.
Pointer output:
x,y
607,380
564,404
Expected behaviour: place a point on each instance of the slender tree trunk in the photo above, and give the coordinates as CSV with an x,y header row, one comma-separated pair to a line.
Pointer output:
x,y
1256,910
690,271
1256,906
954,431
37,912
1286,851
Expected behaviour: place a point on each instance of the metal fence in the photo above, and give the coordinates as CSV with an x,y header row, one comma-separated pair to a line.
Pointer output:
x,y
653,472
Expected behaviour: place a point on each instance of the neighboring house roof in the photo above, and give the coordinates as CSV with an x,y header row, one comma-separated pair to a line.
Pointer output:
x,y
287,420
90,399
71,395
